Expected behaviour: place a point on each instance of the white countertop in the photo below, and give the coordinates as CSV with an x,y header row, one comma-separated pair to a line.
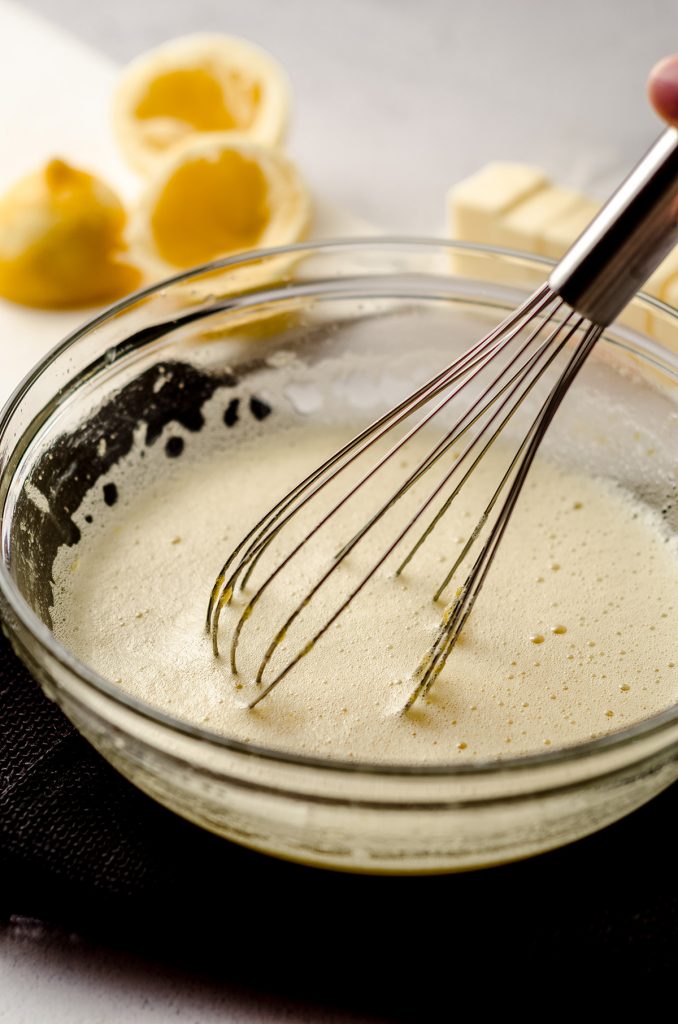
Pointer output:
x,y
395,100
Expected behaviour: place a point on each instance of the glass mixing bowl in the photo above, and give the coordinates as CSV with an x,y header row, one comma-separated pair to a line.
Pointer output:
x,y
245,322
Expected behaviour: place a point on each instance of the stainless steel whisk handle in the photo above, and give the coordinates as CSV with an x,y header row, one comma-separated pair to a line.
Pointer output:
x,y
627,241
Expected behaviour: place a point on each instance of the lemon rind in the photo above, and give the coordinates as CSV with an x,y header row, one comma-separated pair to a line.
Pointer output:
x,y
289,197
269,127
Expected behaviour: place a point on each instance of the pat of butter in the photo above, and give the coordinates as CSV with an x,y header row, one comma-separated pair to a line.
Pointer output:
x,y
515,206
559,234
525,227
475,204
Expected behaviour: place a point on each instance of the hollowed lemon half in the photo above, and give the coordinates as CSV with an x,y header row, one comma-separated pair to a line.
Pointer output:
x,y
198,83
215,195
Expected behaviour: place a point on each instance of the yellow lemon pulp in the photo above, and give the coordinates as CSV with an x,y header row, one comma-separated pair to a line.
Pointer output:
x,y
61,237
215,195
199,83
210,207
201,100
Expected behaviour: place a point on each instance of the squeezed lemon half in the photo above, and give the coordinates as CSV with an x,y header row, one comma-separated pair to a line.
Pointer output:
x,y
62,240
198,83
215,195
202,116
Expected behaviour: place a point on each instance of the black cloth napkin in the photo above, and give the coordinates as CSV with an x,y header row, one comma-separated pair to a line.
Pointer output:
x,y
82,849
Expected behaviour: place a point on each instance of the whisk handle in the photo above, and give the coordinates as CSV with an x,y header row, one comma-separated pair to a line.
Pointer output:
x,y
627,240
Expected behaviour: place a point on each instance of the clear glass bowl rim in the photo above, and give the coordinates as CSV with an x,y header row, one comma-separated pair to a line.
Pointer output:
x,y
39,632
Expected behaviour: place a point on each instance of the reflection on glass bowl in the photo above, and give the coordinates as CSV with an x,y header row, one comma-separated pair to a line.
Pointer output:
x,y
326,300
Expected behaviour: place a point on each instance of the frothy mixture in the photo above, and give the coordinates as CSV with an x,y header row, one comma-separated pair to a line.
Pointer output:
x,y
574,634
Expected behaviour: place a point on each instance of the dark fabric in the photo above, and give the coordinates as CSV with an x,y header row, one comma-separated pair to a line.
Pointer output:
x,y
80,848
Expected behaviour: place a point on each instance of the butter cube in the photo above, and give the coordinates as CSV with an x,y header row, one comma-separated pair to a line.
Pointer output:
x,y
515,206
524,227
562,231
474,207
475,204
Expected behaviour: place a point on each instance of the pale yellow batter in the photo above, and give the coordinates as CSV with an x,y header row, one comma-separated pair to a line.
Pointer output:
x,y
574,635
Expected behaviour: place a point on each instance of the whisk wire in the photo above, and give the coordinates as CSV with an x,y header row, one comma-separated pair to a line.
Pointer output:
x,y
456,615
219,595
453,436
281,634
595,279
518,376
438,450
516,388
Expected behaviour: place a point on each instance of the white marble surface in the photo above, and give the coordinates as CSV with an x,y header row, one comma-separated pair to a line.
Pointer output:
x,y
394,101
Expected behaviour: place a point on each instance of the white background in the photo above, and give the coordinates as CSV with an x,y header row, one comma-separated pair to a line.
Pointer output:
x,y
396,99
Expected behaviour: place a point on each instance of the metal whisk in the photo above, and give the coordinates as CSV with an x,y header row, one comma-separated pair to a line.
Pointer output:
x,y
477,395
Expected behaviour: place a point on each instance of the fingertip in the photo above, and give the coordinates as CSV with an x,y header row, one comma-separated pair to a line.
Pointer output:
x,y
662,88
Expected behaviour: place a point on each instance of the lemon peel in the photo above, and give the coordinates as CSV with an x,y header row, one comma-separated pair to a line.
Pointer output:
x,y
204,82
62,240
215,195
